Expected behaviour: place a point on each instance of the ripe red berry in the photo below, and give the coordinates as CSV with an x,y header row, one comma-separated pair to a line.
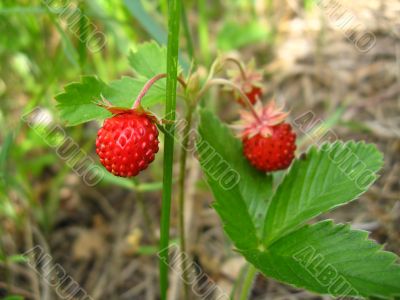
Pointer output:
x,y
268,142
127,143
272,153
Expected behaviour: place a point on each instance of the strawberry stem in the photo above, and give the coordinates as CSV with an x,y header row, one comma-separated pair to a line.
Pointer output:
x,y
223,81
150,83
239,64
220,61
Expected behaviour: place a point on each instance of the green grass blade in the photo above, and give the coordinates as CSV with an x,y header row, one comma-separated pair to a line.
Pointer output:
x,y
172,71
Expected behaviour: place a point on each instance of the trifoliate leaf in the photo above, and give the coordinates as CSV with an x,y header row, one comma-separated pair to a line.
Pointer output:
x,y
124,92
326,178
149,60
330,259
77,104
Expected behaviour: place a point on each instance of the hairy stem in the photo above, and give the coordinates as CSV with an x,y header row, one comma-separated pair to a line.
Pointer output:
x,y
149,84
223,81
239,65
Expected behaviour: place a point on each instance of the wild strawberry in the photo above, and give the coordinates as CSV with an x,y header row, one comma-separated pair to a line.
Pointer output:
x,y
127,142
268,142
250,82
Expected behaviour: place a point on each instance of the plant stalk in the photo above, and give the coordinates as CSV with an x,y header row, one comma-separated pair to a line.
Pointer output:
x,y
149,84
248,283
174,13
223,81
182,183
239,65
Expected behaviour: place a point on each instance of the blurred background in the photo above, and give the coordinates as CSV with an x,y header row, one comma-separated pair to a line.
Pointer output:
x,y
338,61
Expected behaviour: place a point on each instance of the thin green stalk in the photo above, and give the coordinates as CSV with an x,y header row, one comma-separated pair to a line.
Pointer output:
x,y
182,183
183,160
172,70
237,284
248,283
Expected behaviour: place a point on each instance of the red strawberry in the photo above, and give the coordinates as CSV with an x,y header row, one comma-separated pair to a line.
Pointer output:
x,y
268,142
127,142
254,94
272,153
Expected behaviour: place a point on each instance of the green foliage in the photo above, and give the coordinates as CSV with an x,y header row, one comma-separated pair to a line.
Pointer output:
x,y
149,60
108,178
324,179
77,104
325,258
221,149
330,259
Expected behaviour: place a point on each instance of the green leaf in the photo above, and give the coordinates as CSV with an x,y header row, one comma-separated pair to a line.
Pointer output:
x,y
123,92
77,102
236,219
229,202
330,259
108,178
326,178
237,187
149,60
